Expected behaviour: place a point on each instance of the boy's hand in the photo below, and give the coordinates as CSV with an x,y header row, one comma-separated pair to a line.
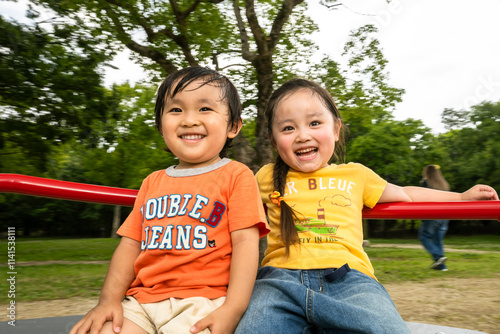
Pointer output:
x,y
244,263
480,192
221,321
92,322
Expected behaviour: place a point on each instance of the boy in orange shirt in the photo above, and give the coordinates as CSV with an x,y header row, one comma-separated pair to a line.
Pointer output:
x,y
188,257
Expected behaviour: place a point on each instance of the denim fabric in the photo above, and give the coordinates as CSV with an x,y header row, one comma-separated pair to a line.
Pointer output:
x,y
431,234
303,301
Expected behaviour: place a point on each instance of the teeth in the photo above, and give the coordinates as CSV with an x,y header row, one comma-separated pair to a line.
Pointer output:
x,y
191,137
306,150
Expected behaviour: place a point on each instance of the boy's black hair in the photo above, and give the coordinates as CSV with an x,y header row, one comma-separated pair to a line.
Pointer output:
x,y
177,81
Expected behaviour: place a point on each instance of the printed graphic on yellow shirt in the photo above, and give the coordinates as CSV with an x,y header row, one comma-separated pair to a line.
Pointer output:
x,y
319,224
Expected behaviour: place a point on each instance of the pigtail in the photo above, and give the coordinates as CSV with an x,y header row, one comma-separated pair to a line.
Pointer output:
x,y
288,231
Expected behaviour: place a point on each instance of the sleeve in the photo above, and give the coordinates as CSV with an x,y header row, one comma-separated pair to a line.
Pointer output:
x,y
245,205
132,226
374,187
264,181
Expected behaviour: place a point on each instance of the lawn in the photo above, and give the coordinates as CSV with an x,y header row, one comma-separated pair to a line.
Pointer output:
x,y
58,281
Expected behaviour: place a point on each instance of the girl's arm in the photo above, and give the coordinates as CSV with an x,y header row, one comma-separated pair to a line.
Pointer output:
x,y
394,193
243,272
118,279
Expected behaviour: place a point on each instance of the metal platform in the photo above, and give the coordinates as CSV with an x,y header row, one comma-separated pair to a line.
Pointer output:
x,y
418,328
62,325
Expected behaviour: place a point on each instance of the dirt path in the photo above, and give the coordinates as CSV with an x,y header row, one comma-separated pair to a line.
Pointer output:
x,y
455,302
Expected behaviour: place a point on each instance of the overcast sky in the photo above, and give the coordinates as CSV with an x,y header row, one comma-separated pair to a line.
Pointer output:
x,y
444,53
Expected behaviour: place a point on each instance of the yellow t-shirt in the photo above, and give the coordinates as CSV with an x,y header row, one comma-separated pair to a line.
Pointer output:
x,y
329,204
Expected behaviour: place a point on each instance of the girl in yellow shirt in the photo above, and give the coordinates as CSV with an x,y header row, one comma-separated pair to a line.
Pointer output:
x,y
316,278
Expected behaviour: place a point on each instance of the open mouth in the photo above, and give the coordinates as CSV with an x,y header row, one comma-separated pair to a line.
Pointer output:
x,y
306,152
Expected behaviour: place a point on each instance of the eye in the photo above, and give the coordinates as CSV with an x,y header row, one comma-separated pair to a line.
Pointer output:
x,y
288,128
315,123
205,109
175,110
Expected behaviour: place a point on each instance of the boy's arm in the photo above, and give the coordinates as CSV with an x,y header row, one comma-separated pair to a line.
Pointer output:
x,y
244,265
118,279
394,193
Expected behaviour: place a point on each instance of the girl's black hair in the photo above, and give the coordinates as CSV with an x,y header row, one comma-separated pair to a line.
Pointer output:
x,y
178,81
288,216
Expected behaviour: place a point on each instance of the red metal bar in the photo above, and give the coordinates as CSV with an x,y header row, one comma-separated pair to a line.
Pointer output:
x,y
37,186
73,191
435,210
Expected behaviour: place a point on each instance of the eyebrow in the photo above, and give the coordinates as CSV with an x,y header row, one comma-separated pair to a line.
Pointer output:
x,y
309,115
200,100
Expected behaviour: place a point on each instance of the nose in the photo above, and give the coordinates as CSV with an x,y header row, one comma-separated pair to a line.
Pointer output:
x,y
190,119
303,135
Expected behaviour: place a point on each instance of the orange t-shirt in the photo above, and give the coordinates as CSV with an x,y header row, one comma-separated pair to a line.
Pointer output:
x,y
184,219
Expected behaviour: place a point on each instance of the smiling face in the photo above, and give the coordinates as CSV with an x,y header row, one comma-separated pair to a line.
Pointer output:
x,y
195,124
304,131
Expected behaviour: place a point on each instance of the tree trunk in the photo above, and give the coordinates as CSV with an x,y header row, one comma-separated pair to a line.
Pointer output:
x,y
241,150
116,221
263,147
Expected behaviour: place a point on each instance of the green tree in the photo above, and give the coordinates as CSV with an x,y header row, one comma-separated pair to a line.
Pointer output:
x,y
136,149
50,96
361,90
472,145
258,43
174,34
366,102
134,152
50,90
268,41
396,150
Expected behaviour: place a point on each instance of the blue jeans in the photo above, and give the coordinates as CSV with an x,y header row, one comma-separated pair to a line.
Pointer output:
x,y
431,234
303,301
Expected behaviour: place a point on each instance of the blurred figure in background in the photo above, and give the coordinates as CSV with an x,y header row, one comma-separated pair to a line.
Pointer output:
x,y
432,232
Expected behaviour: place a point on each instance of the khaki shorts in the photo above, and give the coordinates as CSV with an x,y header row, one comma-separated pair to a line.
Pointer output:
x,y
172,316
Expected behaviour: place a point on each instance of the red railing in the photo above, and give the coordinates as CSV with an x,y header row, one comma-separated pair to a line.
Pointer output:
x,y
37,186
73,191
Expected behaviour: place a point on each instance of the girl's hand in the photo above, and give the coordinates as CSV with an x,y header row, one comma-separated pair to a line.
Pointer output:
x,y
93,321
480,192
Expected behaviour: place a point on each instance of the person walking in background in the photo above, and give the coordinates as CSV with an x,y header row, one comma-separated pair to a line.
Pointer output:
x,y
431,233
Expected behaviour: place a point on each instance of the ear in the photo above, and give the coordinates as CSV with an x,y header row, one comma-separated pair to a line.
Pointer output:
x,y
234,129
336,130
273,142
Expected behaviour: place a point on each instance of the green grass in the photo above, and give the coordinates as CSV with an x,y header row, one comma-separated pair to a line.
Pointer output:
x,y
50,282
403,264
397,265
483,242
64,249
57,281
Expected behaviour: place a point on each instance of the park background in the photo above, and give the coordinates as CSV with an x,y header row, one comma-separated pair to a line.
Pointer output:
x,y
62,118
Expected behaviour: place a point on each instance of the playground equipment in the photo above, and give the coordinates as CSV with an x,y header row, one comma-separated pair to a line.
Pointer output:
x,y
36,186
